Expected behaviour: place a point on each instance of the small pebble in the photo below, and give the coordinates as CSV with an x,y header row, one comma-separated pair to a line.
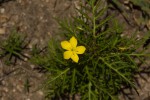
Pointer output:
x,y
14,90
2,30
32,66
40,93
19,88
5,89
3,82
46,1
2,10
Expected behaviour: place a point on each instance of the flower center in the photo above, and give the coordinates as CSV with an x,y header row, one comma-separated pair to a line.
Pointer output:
x,y
73,49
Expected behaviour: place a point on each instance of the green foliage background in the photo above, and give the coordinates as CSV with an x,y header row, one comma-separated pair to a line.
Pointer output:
x,y
107,64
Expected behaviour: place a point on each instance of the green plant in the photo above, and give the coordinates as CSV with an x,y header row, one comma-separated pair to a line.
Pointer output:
x,y
12,48
107,64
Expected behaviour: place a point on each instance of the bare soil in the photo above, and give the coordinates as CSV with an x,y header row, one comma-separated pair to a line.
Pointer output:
x,y
35,18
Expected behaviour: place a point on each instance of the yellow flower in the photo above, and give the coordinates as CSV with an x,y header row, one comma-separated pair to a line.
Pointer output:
x,y
72,49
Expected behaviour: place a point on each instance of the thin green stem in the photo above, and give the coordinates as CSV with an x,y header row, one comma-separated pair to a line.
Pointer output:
x,y
113,98
73,81
94,27
89,86
94,22
63,72
108,65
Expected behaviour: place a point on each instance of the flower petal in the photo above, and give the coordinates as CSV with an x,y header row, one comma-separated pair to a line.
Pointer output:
x,y
75,57
73,42
80,49
66,45
67,54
